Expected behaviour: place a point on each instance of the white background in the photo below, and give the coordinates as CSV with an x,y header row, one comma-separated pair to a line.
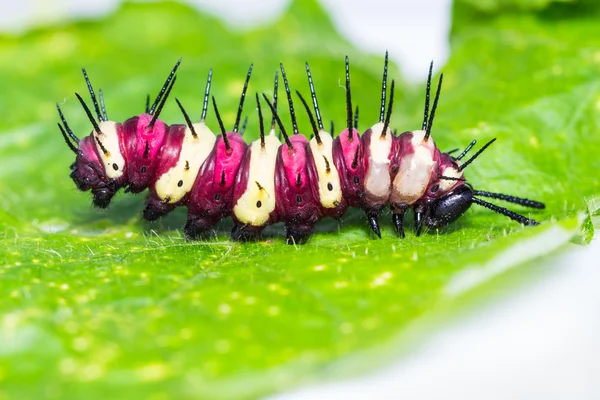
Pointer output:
x,y
539,342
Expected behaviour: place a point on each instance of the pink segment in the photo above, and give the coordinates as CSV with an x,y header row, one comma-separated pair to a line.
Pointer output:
x,y
294,162
154,136
89,150
228,160
349,148
169,153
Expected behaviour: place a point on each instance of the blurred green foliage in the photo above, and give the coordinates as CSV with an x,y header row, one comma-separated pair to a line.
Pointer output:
x,y
98,304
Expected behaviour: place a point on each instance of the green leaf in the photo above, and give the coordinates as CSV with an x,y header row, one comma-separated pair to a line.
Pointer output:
x,y
99,304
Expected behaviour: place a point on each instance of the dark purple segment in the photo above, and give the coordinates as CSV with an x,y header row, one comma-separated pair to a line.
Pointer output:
x,y
297,190
87,171
168,157
351,176
211,197
142,145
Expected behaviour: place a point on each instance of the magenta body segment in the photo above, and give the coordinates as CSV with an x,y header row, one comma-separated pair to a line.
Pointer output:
x,y
295,184
446,166
167,159
347,149
227,162
211,198
87,171
142,145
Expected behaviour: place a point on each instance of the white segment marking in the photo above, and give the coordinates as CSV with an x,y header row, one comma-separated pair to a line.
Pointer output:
x,y
415,170
110,140
261,169
194,151
451,172
377,178
328,198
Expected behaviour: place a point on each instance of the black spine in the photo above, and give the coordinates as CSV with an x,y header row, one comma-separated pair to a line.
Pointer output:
x,y
92,94
223,131
206,95
89,114
506,212
313,94
383,88
164,88
434,107
427,97
242,98
260,122
481,150
188,121
281,127
510,199
313,124
162,103
348,102
388,116
290,101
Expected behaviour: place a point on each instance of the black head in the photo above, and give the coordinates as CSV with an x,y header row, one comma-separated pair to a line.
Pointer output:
x,y
449,208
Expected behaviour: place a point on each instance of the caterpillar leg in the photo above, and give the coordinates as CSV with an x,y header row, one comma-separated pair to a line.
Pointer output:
x,y
398,220
197,227
156,208
245,233
298,234
103,196
419,219
373,217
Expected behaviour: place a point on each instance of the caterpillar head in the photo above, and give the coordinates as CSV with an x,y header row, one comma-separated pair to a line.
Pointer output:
x,y
455,198
99,164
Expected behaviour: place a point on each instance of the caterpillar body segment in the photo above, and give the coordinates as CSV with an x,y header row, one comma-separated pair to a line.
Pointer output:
x,y
297,197
211,197
292,180
254,198
347,155
109,146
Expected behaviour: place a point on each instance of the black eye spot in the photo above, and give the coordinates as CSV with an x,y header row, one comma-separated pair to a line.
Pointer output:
x,y
258,204
329,187
356,180
395,169
115,167
298,199
143,170
180,184
218,196
435,188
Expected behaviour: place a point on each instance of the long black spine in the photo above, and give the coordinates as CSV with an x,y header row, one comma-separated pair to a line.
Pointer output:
x,y
242,98
164,88
92,94
206,95
383,88
510,199
506,212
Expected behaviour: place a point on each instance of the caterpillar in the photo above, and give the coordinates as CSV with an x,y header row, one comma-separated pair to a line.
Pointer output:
x,y
283,177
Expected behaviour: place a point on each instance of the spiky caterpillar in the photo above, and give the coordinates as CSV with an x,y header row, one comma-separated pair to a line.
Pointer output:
x,y
297,181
